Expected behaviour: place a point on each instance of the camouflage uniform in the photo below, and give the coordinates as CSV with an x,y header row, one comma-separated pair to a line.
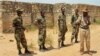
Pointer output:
x,y
75,28
42,32
62,29
19,32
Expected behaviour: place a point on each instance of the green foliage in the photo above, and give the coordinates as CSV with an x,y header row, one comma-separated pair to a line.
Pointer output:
x,y
30,27
97,21
50,26
49,41
31,45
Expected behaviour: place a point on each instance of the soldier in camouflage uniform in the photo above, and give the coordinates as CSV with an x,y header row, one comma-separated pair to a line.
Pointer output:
x,y
62,27
75,26
41,22
19,32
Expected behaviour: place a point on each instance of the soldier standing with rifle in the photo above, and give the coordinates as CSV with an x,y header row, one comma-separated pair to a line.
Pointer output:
x,y
75,26
41,22
62,27
19,32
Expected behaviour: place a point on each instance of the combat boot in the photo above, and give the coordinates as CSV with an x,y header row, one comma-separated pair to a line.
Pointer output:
x,y
27,51
40,47
62,44
72,38
19,52
44,48
59,45
76,40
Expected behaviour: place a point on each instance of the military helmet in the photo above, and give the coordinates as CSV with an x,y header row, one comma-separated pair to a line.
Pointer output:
x,y
19,10
42,11
62,8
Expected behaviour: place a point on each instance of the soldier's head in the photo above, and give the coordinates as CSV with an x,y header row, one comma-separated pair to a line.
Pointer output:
x,y
85,12
63,10
76,11
19,12
42,12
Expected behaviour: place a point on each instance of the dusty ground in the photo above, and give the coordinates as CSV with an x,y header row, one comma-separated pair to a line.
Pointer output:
x,y
8,48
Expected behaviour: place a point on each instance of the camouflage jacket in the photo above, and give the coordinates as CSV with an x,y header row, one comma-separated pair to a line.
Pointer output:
x,y
73,19
62,23
18,23
41,22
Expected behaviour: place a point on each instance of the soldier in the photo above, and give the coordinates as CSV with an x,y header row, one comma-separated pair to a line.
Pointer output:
x,y
19,32
41,22
84,21
75,26
62,27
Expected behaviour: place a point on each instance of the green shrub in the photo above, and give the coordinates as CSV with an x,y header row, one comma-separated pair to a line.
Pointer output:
x,y
98,21
30,27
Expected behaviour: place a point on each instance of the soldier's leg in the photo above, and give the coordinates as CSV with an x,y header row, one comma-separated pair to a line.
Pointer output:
x,y
43,43
18,41
40,39
82,35
59,39
44,37
40,43
24,43
63,39
76,35
73,34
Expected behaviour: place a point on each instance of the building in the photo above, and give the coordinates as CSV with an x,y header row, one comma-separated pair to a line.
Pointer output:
x,y
32,12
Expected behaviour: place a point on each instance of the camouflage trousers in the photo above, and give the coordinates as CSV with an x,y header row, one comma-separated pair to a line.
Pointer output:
x,y
84,37
42,36
20,39
61,36
75,32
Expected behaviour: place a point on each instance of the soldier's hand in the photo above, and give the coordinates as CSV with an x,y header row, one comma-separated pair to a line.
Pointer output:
x,y
26,30
35,22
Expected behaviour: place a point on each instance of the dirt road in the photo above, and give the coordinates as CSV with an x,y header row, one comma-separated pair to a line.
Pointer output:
x,y
8,47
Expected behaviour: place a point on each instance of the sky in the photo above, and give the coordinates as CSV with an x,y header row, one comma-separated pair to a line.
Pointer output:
x,y
91,2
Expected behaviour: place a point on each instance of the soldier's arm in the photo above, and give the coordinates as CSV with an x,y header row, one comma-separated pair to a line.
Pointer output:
x,y
14,22
21,24
72,19
36,22
59,21
44,23
78,21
